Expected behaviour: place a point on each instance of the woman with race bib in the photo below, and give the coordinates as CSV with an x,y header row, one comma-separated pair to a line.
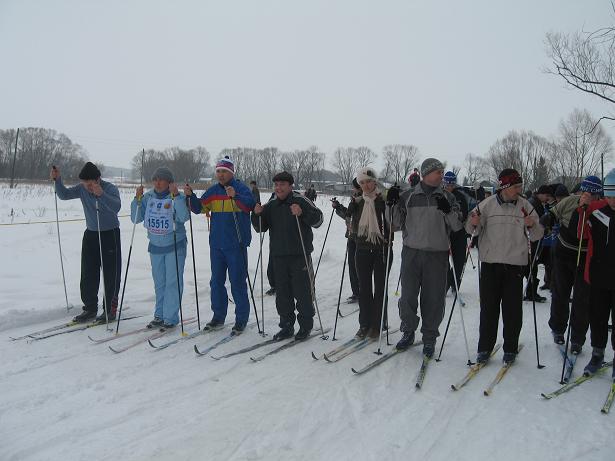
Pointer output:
x,y
157,209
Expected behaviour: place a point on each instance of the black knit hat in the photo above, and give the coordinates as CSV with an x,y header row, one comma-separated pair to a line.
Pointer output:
x,y
284,176
545,189
89,171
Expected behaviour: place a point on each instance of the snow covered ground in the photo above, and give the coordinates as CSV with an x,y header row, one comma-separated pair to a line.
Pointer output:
x,y
66,398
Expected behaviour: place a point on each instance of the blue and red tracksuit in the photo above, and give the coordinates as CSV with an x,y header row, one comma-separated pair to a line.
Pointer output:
x,y
226,251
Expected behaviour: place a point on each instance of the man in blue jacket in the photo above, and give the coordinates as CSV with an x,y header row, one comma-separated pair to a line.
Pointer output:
x,y
229,202
95,193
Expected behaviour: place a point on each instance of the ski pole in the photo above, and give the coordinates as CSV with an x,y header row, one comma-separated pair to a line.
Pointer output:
x,y
311,276
398,283
196,290
132,237
244,251
463,325
529,250
339,296
179,288
260,254
386,280
325,242
102,267
55,192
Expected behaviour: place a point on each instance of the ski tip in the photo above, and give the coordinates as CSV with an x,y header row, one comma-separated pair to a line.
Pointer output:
x,y
196,350
454,388
113,350
314,356
254,359
354,371
417,386
328,359
91,339
215,358
486,393
149,341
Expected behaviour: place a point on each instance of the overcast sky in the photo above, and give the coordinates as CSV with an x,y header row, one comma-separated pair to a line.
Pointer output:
x,y
450,76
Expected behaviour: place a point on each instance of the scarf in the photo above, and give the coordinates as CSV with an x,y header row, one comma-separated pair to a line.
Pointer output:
x,y
368,224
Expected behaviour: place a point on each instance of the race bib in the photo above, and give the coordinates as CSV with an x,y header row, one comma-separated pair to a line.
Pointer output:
x,y
159,216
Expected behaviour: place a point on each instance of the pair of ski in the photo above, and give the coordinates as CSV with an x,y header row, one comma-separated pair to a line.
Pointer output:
x,y
580,380
152,336
352,345
474,369
383,358
64,328
293,342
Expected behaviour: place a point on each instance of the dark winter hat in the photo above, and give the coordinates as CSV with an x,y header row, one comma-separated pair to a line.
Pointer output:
x,y
561,191
544,189
509,177
89,171
226,164
609,184
355,184
284,176
429,165
450,178
591,184
163,173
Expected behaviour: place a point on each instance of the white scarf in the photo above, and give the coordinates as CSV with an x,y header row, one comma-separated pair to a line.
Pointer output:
x,y
368,224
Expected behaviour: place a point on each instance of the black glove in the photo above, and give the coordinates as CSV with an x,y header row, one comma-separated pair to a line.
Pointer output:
x,y
335,203
393,195
443,204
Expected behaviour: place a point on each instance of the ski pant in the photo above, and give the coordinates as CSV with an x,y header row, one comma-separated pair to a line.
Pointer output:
x,y
165,272
234,261
90,268
541,258
459,243
423,272
352,268
270,274
602,306
292,282
500,284
370,266
565,276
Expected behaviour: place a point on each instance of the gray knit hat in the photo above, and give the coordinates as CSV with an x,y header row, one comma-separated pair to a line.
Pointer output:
x,y
430,165
163,173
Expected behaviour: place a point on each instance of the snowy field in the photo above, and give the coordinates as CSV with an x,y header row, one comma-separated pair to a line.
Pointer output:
x,y
66,398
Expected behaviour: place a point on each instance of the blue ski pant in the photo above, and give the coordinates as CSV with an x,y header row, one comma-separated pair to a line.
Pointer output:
x,y
164,273
234,262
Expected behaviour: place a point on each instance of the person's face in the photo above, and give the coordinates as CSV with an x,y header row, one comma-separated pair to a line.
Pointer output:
x,y
282,189
512,192
434,179
544,198
90,183
449,187
611,202
367,185
592,197
160,185
223,176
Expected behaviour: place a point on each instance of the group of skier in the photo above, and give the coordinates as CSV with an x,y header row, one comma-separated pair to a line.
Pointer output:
x,y
438,220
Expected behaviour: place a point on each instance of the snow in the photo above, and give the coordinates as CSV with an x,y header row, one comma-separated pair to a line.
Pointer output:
x,y
68,398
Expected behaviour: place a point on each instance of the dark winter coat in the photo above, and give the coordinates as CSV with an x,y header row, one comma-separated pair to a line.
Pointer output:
x,y
355,210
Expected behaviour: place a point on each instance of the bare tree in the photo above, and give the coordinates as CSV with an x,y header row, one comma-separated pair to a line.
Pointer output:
x,y
586,61
365,156
345,163
475,169
580,147
187,165
269,157
399,161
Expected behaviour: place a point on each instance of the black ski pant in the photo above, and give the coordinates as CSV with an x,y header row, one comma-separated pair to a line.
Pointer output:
x,y
500,285
270,274
90,268
352,268
602,306
566,276
459,243
292,282
370,266
531,289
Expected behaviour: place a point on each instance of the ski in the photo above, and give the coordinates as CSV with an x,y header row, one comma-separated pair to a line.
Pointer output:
x,y
342,315
192,335
343,346
77,327
570,361
474,369
287,345
571,385
232,335
381,359
353,348
155,335
609,399
118,336
246,349
420,377
500,375
46,330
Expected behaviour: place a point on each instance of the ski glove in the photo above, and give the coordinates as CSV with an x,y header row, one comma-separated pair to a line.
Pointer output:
x,y
443,204
393,195
335,203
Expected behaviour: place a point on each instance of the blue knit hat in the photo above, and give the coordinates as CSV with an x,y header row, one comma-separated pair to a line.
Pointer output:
x,y
591,184
450,178
609,184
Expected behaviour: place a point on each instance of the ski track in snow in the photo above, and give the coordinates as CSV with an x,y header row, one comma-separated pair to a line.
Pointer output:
x,y
68,398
